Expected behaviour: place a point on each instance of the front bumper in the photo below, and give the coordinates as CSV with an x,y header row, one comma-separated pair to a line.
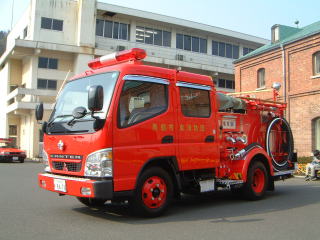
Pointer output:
x,y
102,189
11,158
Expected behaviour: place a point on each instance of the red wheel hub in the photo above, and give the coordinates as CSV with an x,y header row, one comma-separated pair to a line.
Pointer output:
x,y
258,181
154,192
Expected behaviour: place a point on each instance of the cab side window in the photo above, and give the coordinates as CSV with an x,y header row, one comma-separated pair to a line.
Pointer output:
x,y
140,101
195,102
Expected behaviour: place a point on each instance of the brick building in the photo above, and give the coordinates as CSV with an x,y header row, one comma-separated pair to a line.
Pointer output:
x,y
293,59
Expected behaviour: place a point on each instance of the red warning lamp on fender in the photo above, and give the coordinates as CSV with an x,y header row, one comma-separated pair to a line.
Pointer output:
x,y
117,57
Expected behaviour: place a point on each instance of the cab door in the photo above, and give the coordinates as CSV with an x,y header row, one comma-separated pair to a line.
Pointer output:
x,y
143,127
198,147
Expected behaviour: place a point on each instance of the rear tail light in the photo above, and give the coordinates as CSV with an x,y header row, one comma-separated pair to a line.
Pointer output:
x,y
114,58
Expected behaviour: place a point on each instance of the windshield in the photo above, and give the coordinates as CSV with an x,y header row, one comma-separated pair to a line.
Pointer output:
x,y
7,145
75,94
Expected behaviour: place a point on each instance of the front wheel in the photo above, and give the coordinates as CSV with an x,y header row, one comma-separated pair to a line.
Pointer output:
x,y
153,193
92,202
257,181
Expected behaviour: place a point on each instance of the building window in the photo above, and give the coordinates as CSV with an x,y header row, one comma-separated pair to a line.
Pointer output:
x,y
191,43
224,83
50,63
261,78
316,133
153,36
246,50
195,102
225,50
13,130
47,84
109,29
316,63
52,24
140,101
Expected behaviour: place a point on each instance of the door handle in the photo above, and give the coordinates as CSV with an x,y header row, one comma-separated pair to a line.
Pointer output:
x,y
167,139
209,138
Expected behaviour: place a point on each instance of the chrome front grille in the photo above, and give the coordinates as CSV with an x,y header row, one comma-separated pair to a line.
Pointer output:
x,y
67,166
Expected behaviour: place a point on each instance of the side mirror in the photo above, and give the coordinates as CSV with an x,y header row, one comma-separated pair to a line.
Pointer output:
x,y
79,112
39,112
95,98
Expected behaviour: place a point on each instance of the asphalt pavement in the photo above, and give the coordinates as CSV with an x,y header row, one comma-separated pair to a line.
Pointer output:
x,y
28,212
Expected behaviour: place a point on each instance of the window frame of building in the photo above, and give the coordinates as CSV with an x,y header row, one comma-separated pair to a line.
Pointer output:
x,y
151,33
48,63
246,50
316,133
224,49
316,63
191,43
112,29
51,24
261,78
13,130
224,83
193,92
46,84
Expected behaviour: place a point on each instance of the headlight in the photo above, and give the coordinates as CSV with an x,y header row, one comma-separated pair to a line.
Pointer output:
x,y
45,161
99,164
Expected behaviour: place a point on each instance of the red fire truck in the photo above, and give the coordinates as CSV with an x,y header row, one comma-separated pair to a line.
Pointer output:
x,y
9,152
128,131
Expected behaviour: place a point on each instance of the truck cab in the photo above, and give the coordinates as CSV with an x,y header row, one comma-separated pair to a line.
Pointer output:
x,y
128,131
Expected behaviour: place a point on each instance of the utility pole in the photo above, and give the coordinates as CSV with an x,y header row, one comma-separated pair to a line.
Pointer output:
x,y
12,14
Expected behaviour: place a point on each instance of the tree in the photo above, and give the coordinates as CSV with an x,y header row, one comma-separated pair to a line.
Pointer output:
x,y
3,41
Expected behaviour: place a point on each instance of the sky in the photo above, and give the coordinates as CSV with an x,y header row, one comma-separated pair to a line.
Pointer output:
x,y
254,17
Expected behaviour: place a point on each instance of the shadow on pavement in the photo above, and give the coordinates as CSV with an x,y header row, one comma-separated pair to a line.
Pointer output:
x,y
217,207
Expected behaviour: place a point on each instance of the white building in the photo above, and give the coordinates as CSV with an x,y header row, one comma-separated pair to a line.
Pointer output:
x,y
55,39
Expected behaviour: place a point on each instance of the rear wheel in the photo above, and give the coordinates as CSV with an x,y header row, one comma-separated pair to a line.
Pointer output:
x,y
21,160
257,181
153,193
92,202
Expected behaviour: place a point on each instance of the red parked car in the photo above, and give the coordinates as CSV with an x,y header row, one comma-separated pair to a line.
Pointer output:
x,y
9,152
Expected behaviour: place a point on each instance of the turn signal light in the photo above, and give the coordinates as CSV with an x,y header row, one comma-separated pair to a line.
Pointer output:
x,y
114,58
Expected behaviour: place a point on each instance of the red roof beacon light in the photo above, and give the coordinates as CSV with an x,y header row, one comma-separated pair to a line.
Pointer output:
x,y
114,58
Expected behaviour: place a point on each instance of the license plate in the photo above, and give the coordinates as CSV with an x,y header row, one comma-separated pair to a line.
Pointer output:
x,y
15,158
59,185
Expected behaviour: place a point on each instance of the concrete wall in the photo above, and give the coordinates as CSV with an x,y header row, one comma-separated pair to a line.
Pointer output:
x,y
4,78
66,10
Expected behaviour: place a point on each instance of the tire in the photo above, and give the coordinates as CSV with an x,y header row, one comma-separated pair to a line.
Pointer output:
x,y
153,193
22,160
92,202
257,181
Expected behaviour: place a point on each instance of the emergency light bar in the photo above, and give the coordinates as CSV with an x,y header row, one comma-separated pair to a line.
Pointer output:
x,y
117,57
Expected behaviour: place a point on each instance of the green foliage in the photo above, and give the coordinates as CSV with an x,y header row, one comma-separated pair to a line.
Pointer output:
x,y
304,159
3,41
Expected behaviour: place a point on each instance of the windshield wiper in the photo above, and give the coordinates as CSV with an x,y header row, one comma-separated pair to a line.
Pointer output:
x,y
59,116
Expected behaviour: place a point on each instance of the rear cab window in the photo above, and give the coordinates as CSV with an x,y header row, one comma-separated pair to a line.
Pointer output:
x,y
194,100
